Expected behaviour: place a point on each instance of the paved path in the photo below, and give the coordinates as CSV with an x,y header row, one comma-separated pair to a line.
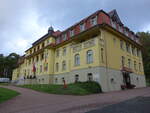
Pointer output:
x,y
36,102
136,105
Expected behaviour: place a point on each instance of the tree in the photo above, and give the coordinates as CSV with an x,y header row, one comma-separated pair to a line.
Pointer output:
x,y
7,64
145,40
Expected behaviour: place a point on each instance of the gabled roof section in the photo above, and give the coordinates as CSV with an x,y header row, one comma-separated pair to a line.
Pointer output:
x,y
114,15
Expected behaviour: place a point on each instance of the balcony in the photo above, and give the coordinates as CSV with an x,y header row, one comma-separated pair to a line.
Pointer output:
x,y
83,45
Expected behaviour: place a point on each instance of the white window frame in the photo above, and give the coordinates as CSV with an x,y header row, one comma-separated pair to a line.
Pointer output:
x,y
71,32
77,60
89,56
64,65
93,21
64,37
82,27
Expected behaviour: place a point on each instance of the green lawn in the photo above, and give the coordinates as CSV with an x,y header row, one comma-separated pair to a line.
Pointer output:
x,y
6,94
83,88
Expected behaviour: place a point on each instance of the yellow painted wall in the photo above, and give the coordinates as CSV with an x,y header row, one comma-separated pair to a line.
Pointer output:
x,y
114,53
110,43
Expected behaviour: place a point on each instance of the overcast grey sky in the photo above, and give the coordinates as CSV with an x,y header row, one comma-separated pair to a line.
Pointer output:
x,y
24,21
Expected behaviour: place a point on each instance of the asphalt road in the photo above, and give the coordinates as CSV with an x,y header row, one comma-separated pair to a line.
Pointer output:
x,y
136,105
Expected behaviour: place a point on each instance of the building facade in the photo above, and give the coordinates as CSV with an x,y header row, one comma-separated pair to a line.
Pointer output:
x,y
98,48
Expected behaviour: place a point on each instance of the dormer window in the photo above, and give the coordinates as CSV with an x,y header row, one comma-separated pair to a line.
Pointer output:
x,y
82,27
120,28
126,32
71,33
64,37
58,40
93,21
113,24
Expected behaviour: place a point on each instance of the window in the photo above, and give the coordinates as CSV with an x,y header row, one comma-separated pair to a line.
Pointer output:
x,y
46,67
123,61
102,54
90,77
121,44
38,47
82,27
128,47
64,65
30,51
40,68
64,37
94,21
57,53
133,50
57,67
138,53
77,60
34,49
42,56
114,40
64,51
29,61
120,28
135,65
139,66
56,80
25,72
37,58
63,79
126,32
129,63
89,56
43,44
71,33
113,24
33,60
76,78
58,40
47,41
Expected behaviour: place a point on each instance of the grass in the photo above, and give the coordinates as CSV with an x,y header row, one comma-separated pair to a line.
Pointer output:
x,y
6,94
81,88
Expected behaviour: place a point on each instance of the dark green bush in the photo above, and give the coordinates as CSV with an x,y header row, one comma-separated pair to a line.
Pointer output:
x,y
90,86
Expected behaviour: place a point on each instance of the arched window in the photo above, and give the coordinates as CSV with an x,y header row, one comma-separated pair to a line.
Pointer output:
x,y
64,65
90,77
77,60
89,56
57,67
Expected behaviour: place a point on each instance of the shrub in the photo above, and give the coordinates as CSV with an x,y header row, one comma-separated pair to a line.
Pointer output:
x,y
90,86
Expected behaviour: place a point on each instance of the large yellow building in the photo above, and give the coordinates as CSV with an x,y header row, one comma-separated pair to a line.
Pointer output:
x,y
98,48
